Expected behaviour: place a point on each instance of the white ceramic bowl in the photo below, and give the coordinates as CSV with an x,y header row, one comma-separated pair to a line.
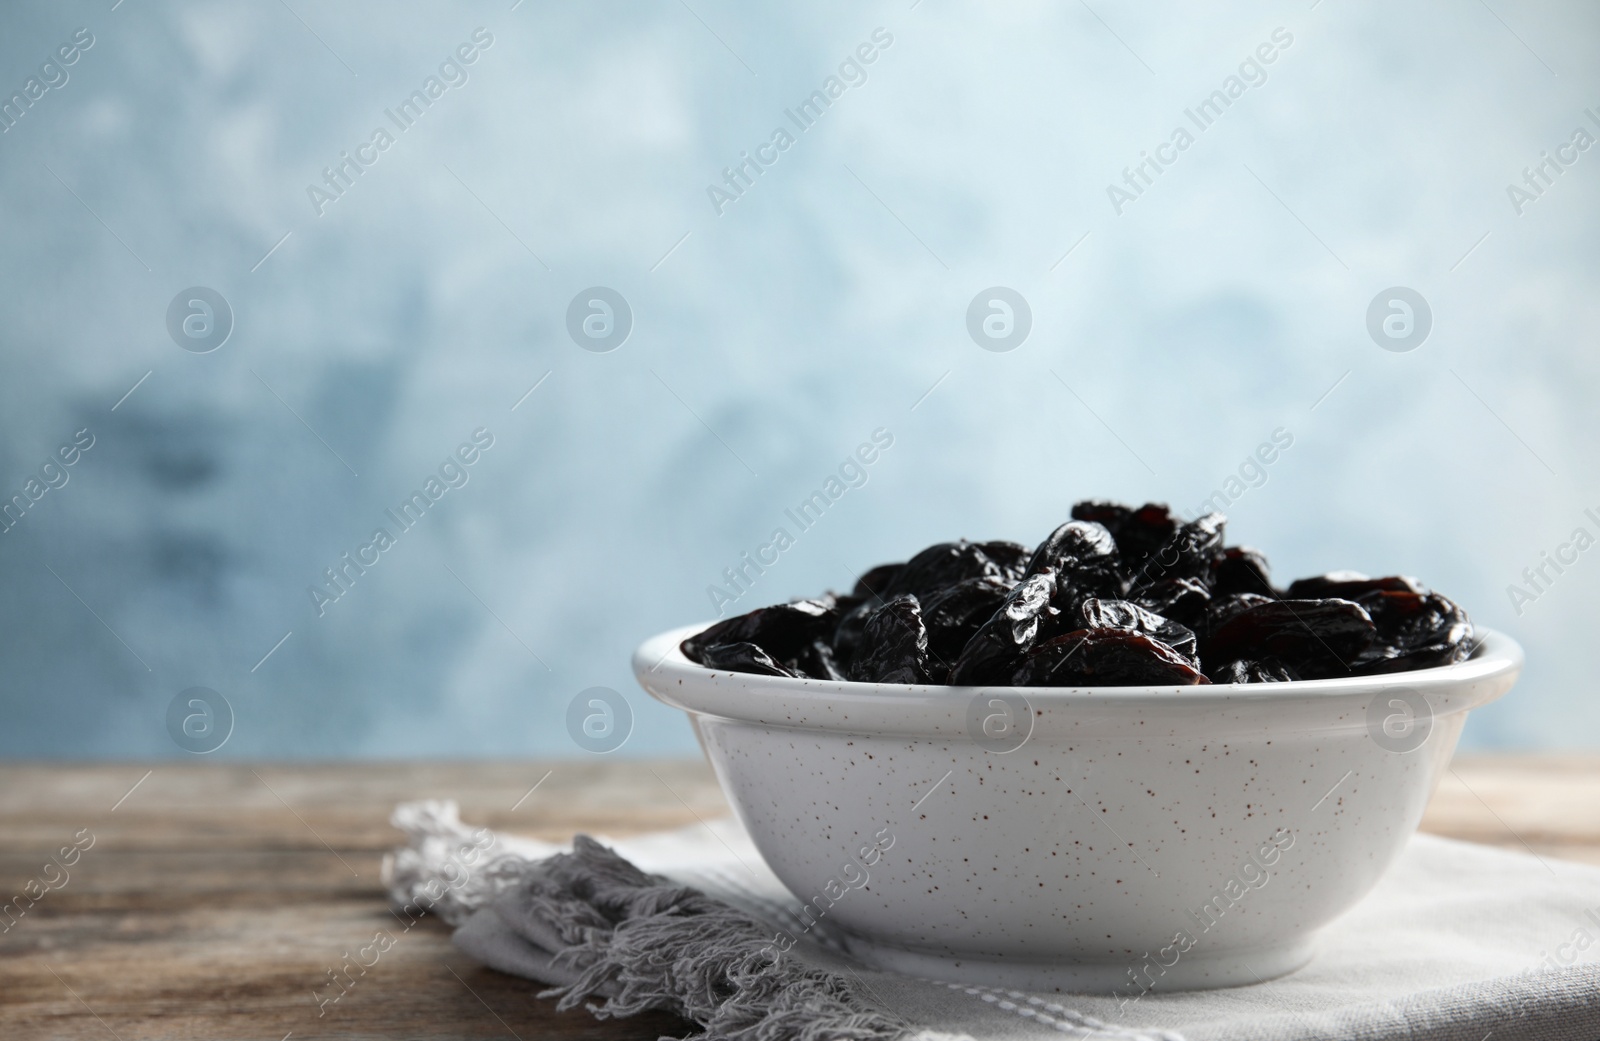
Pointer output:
x,y
1181,837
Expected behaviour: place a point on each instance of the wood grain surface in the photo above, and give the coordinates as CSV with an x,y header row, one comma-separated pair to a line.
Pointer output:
x,y
215,898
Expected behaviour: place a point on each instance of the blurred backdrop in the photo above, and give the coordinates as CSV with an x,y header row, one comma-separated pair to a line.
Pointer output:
x,y
626,281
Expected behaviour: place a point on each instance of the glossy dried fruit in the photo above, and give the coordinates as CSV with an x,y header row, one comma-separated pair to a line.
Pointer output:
x,y
842,605
1010,557
847,634
782,630
1091,583
942,564
875,582
1225,607
1348,585
894,645
1244,570
997,647
954,614
1138,533
1184,600
986,613
1267,670
1074,545
1219,611
1084,557
1319,639
1124,614
1415,631
1105,658
742,657
1193,552
816,661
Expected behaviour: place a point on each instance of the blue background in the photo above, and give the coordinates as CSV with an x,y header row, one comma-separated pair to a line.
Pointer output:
x,y
1167,341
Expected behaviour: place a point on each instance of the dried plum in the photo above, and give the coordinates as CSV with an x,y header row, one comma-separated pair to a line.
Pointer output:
x,y
782,630
942,564
1184,600
1084,557
1219,611
1144,597
1124,614
875,582
1105,658
1138,533
1099,582
843,605
1110,515
1010,557
1317,638
1225,607
1267,670
742,657
1075,544
1244,570
997,647
847,635
1193,551
894,645
1348,585
816,661
1415,631
954,614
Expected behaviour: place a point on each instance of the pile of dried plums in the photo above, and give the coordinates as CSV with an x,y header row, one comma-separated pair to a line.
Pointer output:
x,y
1114,597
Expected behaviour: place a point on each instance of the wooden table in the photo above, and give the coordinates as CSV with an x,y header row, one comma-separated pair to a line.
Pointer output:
x,y
215,897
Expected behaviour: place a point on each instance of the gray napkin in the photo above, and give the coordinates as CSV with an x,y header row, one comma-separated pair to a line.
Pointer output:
x,y
1457,943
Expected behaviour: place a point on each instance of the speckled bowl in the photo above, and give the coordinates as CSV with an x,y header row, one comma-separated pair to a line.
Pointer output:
x,y
1106,839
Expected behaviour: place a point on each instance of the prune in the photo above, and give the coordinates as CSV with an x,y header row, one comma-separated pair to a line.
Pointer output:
x,y
1087,583
997,647
1193,551
1267,670
1317,638
1225,607
1415,631
1084,557
1010,557
1109,515
875,582
1075,544
1244,570
1138,533
816,661
1156,597
1184,600
1219,611
1348,585
894,645
742,657
954,613
843,605
942,564
1105,658
782,630
1124,614
847,635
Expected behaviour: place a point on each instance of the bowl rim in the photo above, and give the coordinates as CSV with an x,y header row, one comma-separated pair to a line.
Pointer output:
x,y
668,675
